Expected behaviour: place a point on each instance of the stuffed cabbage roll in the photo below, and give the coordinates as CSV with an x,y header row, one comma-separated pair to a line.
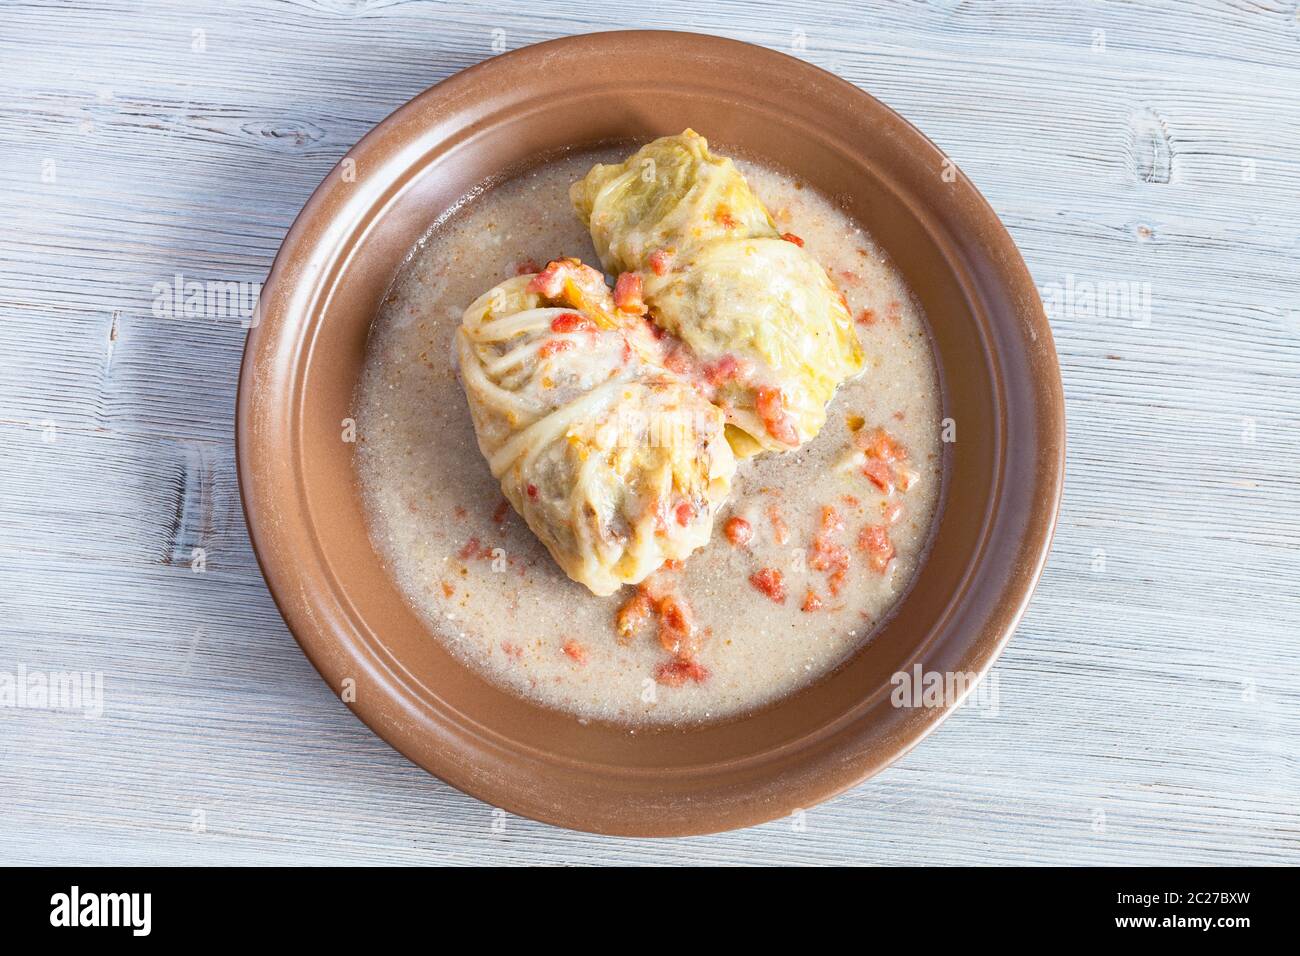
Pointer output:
x,y
616,463
761,322
768,329
669,195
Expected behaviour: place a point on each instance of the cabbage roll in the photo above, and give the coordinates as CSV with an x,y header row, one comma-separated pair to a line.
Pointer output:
x,y
762,324
669,195
616,463
768,330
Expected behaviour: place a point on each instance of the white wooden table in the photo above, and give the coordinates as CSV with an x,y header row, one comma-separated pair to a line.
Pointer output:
x,y
1146,712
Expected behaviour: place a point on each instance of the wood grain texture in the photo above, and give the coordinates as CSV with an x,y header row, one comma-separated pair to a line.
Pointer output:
x,y
1148,710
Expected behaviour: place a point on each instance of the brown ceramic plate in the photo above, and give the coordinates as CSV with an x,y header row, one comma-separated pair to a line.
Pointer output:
x,y
301,365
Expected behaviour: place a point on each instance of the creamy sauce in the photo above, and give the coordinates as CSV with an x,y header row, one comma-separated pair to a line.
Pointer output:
x,y
488,588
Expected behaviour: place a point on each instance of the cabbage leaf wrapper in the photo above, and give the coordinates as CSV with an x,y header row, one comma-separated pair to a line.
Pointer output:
x,y
616,463
764,325
670,194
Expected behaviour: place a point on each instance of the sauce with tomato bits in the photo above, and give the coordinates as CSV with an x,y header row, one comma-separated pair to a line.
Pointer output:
x,y
808,556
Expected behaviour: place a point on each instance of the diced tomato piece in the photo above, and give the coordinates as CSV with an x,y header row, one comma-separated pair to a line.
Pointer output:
x,y
657,585
503,509
633,615
553,347
811,602
512,651
572,322
780,530
676,613
738,531
771,582
884,452
835,581
851,500
827,555
627,294
677,631
867,317
679,670
677,361
532,491
791,237
880,443
550,281
880,474
684,512
830,520
661,261
470,550
575,651
723,370
672,673
874,539
770,407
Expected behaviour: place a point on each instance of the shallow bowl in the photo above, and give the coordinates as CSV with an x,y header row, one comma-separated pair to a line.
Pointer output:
x,y
1001,386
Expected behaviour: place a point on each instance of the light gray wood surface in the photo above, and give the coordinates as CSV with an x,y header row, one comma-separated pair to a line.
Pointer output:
x,y
1147,711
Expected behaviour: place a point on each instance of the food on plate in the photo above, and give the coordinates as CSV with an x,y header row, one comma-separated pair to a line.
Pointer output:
x,y
745,579
670,195
616,463
755,316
